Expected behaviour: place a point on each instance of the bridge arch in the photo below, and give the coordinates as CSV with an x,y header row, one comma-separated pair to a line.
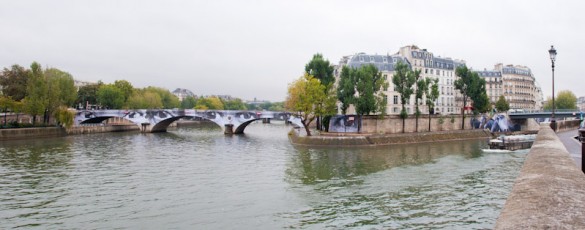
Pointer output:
x,y
242,126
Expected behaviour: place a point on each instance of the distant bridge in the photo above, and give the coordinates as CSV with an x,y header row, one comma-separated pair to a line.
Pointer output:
x,y
524,114
157,120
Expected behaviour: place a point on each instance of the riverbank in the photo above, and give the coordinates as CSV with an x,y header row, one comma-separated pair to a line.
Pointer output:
x,y
386,139
29,133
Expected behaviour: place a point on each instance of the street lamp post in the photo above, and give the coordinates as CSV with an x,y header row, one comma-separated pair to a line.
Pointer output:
x,y
553,54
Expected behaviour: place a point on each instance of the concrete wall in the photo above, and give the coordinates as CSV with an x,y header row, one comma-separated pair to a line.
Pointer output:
x,y
393,123
549,193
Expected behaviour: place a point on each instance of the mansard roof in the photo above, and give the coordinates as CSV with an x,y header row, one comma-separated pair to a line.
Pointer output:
x,y
489,73
382,62
517,70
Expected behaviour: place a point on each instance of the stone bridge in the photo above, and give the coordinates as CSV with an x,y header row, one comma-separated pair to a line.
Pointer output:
x,y
157,120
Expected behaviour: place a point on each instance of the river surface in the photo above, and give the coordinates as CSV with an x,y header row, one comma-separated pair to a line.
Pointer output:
x,y
198,178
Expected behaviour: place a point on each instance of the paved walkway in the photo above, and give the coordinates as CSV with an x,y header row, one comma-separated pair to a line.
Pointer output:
x,y
573,145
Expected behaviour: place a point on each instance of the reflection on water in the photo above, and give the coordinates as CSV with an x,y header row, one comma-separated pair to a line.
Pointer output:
x,y
441,185
200,178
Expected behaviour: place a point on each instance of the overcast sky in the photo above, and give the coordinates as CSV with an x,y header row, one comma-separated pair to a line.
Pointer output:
x,y
253,49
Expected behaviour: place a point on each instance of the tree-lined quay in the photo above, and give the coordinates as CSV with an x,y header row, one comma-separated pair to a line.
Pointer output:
x,y
52,94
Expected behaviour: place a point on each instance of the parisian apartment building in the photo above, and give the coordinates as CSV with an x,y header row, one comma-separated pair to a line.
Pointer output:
x,y
515,83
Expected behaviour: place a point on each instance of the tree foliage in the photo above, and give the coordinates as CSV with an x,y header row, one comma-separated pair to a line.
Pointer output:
x,y
209,103
188,102
143,99
14,82
61,89
565,99
471,87
403,81
345,89
432,94
309,98
36,91
502,105
126,88
421,85
321,69
370,87
110,96
168,99
234,104
87,94
64,117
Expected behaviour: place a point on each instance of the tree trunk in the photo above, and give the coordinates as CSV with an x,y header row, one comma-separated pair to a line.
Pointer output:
x,y
403,124
429,120
307,129
463,113
416,123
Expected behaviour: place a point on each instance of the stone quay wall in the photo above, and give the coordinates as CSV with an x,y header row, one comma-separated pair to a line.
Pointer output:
x,y
393,123
385,139
28,133
549,193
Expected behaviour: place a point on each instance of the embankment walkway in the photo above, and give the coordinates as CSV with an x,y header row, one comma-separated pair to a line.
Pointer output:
x,y
549,193
572,145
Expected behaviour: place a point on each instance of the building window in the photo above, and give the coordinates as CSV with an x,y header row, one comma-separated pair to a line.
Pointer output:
x,y
395,99
371,59
361,59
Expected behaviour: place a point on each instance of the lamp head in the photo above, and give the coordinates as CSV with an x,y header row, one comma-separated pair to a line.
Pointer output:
x,y
553,53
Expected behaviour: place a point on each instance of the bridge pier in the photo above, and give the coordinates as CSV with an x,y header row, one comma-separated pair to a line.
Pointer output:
x,y
145,127
265,120
229,129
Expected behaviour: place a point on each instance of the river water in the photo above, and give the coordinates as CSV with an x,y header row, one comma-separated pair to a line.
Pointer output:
x,y
198,178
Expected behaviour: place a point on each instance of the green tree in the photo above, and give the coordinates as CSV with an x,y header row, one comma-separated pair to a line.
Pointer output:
x,y
565,99
143,99
346,88
14,82
481,102
61,90
188,102
502,105
110,96
169,100
235,104
321,69
64,117
432,94
418,94
276,106
308,97
465,84
369,85
209,103
403,80
36,92
87,94
126,88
